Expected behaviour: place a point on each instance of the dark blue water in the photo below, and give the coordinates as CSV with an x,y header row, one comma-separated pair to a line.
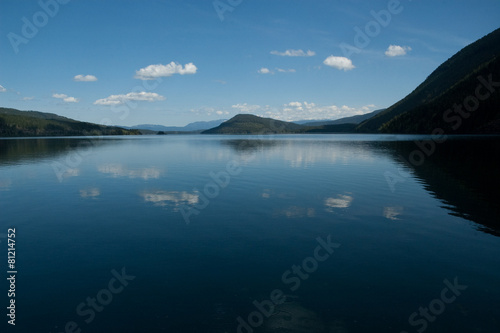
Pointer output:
x,y
330,233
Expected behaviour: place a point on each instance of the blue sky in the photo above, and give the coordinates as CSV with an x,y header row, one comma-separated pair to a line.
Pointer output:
x,y
174,62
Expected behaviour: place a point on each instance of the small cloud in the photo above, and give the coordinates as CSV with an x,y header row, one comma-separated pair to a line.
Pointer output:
x,y
84,78
294,53
341,63
291,70
2,89
28,98
246,108
396,50
66,98
303,110
156,71
220,81
132,96
294,104
264,70
220,113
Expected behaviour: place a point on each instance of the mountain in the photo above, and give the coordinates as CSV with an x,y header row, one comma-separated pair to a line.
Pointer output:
x,y
346,120
16,123
251,124
191,127
439,101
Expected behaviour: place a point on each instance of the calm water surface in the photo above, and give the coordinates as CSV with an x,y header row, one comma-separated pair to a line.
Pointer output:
x,y
231,233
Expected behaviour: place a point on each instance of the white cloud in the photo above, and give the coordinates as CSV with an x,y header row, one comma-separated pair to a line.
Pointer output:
x,y
245,108
341,63
155,71
66,98
132,96
296,110
28,98
264,70
295,104
291,70
293,111
85,78
294,53
220,113
396,50
2,89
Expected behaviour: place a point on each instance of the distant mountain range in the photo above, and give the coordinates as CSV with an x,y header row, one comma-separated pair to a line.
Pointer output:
x,y
32,123
251,124
191,127
462,96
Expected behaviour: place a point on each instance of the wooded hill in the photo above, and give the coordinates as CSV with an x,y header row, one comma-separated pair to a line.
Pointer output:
x,y
460,96
15,123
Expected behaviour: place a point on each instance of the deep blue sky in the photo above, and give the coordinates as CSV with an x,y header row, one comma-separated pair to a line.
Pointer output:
x,y
175,62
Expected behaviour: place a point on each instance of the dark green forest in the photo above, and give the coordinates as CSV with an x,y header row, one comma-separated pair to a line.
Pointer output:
x,y
426,108
15,123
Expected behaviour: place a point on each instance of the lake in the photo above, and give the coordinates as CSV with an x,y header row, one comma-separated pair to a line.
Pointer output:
x,y
285,233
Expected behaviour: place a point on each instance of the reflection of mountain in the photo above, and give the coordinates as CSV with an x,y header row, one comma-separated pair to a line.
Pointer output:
x,y
19,150
306,151
463,174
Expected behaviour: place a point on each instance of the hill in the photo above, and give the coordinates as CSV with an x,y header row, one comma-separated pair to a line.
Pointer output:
x,y
426,108
251,124
16,123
